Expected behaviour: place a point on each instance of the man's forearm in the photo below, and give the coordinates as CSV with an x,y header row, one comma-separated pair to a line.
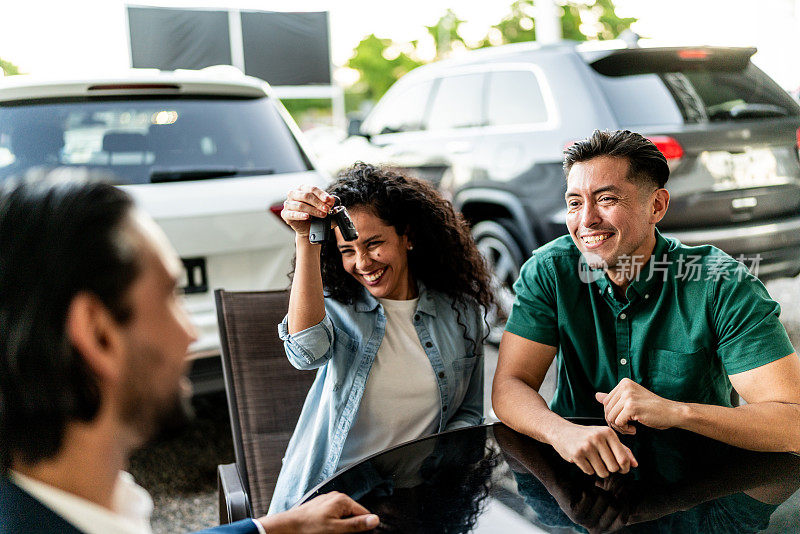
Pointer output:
x,y
522,408
763,426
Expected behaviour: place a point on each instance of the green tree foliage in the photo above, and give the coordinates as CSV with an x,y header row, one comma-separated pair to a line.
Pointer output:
x,y
9,69
613,25
378,72
571,23
516,27
445,33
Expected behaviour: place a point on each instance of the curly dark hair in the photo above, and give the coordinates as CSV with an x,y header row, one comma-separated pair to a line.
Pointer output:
x,y
444,257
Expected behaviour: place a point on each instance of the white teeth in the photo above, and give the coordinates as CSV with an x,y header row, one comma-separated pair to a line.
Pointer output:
x,y
374,276
593,239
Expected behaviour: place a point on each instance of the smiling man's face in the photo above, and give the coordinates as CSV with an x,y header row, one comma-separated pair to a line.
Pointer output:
x,y
608,215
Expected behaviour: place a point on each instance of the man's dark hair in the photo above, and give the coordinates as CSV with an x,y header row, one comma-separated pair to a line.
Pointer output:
x,y
647,163
56,240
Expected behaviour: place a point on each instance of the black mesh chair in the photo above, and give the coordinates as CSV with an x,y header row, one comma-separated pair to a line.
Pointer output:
x,y
265,397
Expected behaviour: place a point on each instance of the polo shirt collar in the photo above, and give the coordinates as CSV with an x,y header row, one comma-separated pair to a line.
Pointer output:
x,y
644,283
365,302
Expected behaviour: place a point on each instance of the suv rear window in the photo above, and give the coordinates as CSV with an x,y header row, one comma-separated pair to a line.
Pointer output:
x,y
688,92
134,141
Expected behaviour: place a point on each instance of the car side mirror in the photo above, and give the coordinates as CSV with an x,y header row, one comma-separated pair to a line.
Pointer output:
x,y
354,127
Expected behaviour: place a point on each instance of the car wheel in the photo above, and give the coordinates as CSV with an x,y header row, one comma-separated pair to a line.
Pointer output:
x,y
496,242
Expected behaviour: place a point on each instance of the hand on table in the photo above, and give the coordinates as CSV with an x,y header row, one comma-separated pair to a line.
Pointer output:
x,y
330,513
630,402
596,450
596,510
597,504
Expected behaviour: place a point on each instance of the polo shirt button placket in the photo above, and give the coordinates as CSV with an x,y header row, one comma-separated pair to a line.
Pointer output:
x,y
625,370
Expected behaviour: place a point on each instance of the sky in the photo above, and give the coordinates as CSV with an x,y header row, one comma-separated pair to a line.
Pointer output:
x,y
56,37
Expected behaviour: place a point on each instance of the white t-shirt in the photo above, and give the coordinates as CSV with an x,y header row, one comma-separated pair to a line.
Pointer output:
x,y
401,399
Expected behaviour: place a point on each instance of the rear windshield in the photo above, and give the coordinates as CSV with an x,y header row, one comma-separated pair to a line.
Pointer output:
x,y
149,140
695,95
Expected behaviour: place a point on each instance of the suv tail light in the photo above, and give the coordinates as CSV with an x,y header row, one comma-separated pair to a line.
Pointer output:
x,y
134,87
693,53
276,210
798,142
668,146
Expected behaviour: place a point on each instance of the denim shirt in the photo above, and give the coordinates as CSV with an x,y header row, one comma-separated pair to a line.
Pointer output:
x,y
342,348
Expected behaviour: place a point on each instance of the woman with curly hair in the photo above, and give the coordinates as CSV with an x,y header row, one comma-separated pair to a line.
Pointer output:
x,y
393,321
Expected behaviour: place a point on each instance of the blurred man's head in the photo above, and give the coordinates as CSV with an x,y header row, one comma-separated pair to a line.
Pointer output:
x,y
615,195
91,327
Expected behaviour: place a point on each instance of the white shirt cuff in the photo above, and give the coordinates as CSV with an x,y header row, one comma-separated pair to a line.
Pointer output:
x,y
260,527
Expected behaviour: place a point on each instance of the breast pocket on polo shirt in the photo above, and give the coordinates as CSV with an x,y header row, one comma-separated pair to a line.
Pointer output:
x,y
681,376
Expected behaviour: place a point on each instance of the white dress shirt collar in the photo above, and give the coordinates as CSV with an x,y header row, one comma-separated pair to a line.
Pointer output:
x,y
132,506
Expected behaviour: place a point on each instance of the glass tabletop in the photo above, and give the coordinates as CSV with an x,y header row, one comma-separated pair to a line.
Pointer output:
x,y
492,479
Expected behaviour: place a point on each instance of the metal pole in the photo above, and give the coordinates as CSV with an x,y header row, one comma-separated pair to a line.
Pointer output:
x,y
548,21
237,41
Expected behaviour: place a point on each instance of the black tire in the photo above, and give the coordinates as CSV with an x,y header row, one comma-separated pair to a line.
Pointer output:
x,y
497,243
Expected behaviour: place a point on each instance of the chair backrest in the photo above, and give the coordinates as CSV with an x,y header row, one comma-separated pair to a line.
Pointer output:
x,y
265,393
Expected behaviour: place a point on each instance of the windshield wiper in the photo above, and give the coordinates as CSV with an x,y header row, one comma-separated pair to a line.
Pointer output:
x,y
748,111
175,174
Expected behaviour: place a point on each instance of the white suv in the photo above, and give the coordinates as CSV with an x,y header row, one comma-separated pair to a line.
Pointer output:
x,y
207,153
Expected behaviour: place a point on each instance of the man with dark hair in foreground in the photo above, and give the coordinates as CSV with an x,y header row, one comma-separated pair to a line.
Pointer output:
x,y
647,331
93,342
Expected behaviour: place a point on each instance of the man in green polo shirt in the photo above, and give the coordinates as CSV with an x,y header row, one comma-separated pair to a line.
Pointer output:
x,y
647,330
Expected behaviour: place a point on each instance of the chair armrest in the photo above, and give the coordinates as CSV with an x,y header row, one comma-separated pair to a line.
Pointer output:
x,y
234,503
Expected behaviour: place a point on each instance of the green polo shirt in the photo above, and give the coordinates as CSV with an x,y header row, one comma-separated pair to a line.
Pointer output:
x,y
693,316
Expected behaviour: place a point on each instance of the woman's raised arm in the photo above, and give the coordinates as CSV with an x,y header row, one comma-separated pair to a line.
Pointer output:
x,y
306,301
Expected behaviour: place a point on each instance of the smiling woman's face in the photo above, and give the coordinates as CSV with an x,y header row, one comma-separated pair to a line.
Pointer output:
x,y
378,259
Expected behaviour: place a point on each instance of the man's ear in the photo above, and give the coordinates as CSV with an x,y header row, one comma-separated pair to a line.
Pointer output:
x,y
94,333
659,204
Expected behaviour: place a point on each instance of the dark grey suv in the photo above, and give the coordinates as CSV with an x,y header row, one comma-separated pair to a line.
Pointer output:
x,y
490,128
